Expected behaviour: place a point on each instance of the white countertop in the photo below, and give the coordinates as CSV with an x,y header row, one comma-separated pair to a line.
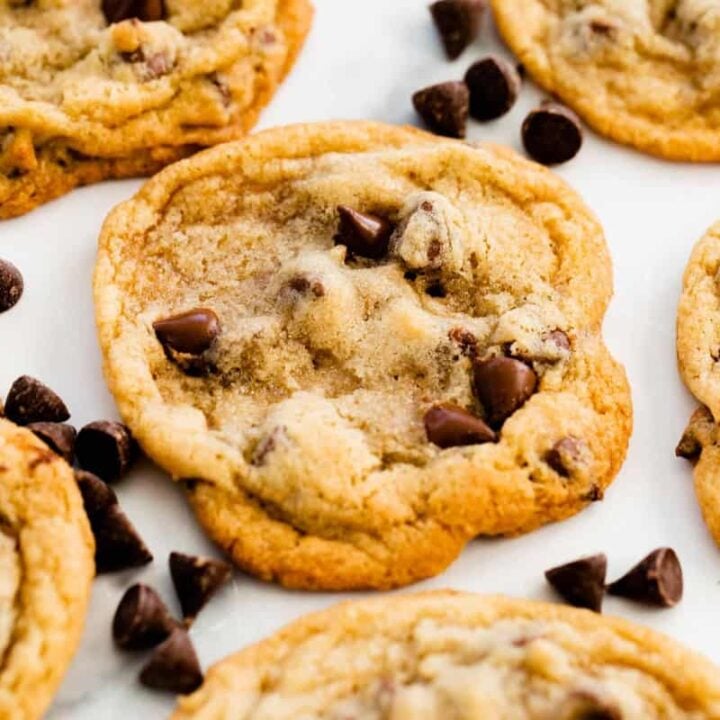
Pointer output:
x,y
364,60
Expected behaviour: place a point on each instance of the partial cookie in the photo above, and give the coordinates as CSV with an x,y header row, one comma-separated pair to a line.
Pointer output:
x,y
439,655
643,72
361,345
92,90
46,568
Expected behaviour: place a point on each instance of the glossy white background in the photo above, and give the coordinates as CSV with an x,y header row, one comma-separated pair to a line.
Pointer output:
x,y
364,60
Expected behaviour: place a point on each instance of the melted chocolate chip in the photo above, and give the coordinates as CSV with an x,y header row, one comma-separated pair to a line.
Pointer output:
x,y
30,401
494,85
105,448
141,620
582,582
363,234
552,134
458,22
11,285
117,544
173,665
448,425
145,10
503,385
444,108
59,437
655,580
192,332
196,580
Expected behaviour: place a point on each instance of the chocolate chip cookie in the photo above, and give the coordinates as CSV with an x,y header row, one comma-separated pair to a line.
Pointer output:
x,y
92,90
441,655
359,346
46,568
643,72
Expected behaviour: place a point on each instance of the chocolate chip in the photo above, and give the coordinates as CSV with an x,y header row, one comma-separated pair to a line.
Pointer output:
x,y
173,665
444,108
141,620
303,286
503,385
655,580
448,425
465,340
196,580
552,134
559,338
586,705
191,332
105,448
689,446
458,22
117,543
363,234
30,401
59,437
97,496
145,10
564,455
582,582
436,289
11,285
494,85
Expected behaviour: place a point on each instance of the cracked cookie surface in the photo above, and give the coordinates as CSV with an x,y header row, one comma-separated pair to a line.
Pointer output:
x,y
46,569
88,91
291,361
643,72
457,655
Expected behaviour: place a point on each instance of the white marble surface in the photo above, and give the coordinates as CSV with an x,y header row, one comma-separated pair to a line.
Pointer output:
x,y
364,59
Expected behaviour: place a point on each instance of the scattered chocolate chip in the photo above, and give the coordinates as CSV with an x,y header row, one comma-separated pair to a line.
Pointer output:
x,y
458,22
363,234
689,446
145,10
30,401
191,332
97,496
196,580
444,108
655,580
117,543
448,425
141,620
494,85
465,340
11,285
564,455
59,437
552,134
105,448
582,582
503,385
173,665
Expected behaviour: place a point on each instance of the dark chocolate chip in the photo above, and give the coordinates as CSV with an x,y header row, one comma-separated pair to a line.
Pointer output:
x,y
11,285
196,580
444,108
503,385
465,340
303,286
117,543
582,582
564,455
141,620
145,10
552,134
494,85
192,332
363,234
689,446
30,401
173,665
448,425
458,22
97,495
655,580
436,289
59,437
586,705
105,448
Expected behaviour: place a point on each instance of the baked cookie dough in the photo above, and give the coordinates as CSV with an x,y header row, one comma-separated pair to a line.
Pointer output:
x,y
46,568
92,90
441,655
642,72
314,375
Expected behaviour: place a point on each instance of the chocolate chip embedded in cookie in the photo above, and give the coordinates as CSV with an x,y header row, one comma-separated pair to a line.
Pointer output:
x,y
406,342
